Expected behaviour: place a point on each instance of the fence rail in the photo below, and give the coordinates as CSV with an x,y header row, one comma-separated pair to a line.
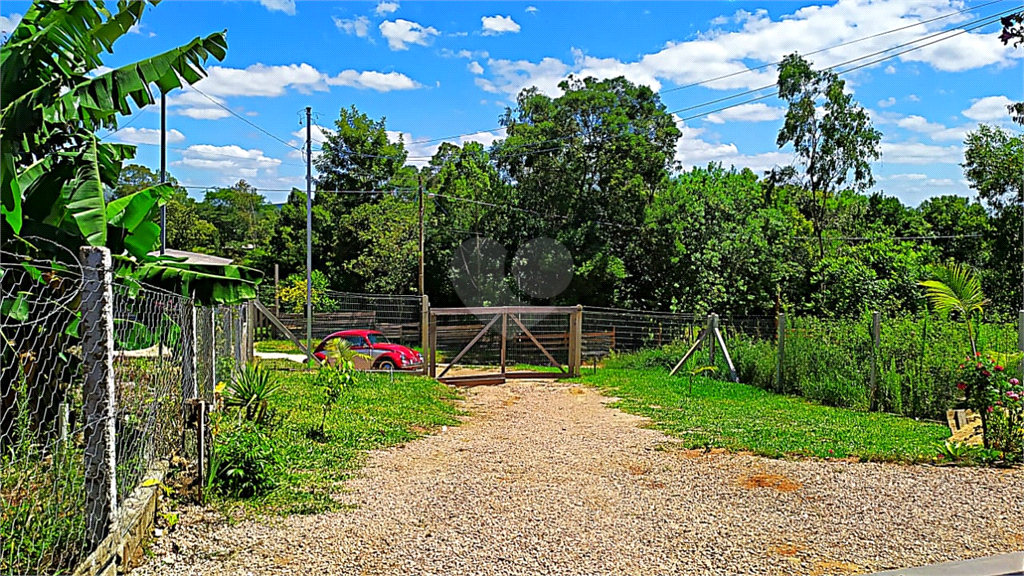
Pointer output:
x,y
96,375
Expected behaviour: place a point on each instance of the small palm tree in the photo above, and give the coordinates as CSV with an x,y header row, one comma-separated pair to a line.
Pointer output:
x,y
956,289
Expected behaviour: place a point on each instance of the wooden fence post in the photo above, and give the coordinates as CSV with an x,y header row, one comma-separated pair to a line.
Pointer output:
x,y
876,343
97,308
432,343
277,299
782,351
504,338
576,341
710,338
213,348
250,331
424,323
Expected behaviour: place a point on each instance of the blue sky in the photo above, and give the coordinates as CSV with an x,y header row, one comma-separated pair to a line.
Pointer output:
x,y
436,69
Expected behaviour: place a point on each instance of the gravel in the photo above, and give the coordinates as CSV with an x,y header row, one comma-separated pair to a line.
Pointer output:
x,y
543,478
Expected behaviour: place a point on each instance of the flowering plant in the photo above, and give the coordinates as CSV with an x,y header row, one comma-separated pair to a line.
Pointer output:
x,y
996,396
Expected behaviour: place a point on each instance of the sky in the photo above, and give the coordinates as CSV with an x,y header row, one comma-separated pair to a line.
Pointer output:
x,y
449,69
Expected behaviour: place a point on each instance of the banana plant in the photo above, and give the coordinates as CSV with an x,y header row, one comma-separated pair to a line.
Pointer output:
x,y
54,168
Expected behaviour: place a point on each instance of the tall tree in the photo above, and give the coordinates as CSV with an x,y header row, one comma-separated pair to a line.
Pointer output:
x,y
1013,33
831,134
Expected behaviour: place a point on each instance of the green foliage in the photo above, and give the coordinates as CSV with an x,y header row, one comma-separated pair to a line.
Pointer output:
x,y
993,163
336,374
292,293
743,417
956,289
244,462
252,390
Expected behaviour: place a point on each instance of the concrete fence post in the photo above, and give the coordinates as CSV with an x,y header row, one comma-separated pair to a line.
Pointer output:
x,y
97,309
213,348
782,352
189,352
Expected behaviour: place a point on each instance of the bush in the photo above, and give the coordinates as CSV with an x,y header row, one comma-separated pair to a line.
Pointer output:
x,y
244,462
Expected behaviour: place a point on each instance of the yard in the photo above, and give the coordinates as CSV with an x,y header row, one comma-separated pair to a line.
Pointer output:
x,y
554,477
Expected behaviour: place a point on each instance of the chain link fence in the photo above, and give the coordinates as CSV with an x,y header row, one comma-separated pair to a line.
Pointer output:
x,y
96,377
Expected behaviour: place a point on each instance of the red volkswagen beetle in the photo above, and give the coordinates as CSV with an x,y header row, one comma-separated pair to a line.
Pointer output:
x,y
383,354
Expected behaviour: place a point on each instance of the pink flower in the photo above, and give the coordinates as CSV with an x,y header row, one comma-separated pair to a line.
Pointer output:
x,y
986,373
977,354
1014,381
961,366
990,409
961,386
979,366
999,368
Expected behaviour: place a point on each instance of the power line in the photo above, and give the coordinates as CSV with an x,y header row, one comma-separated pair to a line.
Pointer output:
x,y
748,70
243,119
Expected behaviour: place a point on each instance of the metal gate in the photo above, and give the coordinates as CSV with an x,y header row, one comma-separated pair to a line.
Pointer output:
x,y
497,338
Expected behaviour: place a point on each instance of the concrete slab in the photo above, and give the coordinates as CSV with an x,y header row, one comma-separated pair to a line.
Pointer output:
x,y
1002,565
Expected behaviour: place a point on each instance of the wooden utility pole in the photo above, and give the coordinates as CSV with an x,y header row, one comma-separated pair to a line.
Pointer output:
x,y
422,241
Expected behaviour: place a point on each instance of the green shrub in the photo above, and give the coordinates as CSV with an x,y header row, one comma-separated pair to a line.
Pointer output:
x,y
251,391
244,462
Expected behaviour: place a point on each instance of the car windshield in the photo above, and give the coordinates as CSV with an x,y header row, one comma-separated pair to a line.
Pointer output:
x,y
377,339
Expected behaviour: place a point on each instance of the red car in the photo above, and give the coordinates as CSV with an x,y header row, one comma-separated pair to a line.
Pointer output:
x,y
383,355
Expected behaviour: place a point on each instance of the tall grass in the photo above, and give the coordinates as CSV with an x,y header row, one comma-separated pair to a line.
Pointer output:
x,y
829,361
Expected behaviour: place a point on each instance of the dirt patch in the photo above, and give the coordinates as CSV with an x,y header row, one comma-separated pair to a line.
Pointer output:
x,y
785,550
765,480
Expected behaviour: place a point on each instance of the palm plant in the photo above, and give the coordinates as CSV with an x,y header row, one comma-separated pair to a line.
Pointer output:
x,y
252,390
956,289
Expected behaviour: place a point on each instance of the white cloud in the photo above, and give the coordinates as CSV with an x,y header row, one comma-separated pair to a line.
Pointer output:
x,y
493,25
933,130
401,33
531,9
467,54
989,109
262,80
920,154
512,76
359,26
9,23
887,102
229,162
913,98
760,39
286,6
195,105
147,136
378,81
757,112
385,8
475,67
420,153
692,150
890,69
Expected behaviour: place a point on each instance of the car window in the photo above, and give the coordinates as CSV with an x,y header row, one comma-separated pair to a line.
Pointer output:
x,y
378,339
356,341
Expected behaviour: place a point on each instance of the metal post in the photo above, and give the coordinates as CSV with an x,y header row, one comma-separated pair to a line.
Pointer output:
x,y
876,343
782,351
250,331
425,328
422,239
309,238
277,299
97,309
163,170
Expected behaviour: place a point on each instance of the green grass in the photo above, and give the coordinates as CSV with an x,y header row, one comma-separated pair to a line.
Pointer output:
x,y
285,346
739,417
373,414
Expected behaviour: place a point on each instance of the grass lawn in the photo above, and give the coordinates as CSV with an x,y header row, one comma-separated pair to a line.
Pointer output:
x,y
745,418
375,413
284,346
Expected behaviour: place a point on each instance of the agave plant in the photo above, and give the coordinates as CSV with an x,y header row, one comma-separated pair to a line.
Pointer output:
x,y
956,289
252,390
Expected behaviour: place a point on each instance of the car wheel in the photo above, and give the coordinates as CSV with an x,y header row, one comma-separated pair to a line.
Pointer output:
x,y
386,365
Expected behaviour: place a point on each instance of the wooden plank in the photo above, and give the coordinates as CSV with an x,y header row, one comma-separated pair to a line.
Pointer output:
x,y
478,310
474,380
696,344
277,324
468,346
542,349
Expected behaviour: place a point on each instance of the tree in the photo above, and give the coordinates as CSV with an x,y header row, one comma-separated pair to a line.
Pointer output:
x,y
581,168
834,144
994,165
1013,32
244,218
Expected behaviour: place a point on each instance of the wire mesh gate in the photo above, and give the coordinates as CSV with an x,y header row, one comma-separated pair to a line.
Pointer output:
x,y
535,338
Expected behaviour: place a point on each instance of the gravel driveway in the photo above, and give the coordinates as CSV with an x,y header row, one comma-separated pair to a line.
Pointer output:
x,y
544,479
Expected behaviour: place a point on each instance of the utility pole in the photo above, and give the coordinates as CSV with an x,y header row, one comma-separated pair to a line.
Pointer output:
x,y
309,238
422,290
163,170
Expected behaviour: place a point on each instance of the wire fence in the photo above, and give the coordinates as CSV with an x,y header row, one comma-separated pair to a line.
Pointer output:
x,y
397,317
94,388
